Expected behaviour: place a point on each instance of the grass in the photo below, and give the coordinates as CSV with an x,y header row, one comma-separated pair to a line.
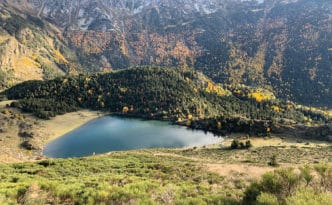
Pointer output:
x,y
261,155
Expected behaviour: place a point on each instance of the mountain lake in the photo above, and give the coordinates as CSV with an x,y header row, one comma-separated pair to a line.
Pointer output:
x,y
112,133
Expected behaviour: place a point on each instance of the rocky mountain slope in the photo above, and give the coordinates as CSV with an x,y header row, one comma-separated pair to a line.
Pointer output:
x,y
31,49
282,45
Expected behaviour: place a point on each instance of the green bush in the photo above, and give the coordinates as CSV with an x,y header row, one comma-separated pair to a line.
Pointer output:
x,y
306,174
285,186
324,172
236,144
251,193
14,25
308,196
191,201
267,199
5,201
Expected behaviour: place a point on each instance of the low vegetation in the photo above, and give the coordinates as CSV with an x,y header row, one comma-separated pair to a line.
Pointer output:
x,y
285,186
122,178
155,177
236,144
285,154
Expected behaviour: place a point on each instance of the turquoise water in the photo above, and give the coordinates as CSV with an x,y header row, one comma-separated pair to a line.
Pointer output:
x,y
111,133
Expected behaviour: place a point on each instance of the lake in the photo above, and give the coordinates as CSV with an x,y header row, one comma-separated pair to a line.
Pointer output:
x,y
112,133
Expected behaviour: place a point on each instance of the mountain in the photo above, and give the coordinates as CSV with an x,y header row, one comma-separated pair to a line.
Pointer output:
x,y
31,48
282,45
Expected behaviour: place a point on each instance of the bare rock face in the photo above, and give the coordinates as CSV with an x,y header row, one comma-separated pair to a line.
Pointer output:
x,y
80,14
284,45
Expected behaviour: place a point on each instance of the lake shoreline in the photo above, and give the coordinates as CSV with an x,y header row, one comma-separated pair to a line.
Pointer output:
x,y
69,122
46,131
115,133
42,132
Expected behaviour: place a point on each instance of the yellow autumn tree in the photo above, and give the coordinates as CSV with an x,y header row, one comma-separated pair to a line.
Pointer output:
x,y
261,95
212,88
125,109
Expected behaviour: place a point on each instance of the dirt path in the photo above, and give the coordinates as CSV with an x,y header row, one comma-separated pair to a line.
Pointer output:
x,y
251,171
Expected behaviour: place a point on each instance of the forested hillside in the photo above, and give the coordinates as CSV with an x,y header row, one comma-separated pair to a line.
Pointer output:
x,y
180,95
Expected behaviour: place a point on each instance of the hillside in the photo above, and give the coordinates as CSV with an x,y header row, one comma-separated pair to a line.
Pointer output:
x,y
281,45
180,95
31,49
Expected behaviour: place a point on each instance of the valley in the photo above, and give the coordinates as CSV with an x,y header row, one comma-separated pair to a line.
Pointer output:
x,y
224,102
181,96
285,139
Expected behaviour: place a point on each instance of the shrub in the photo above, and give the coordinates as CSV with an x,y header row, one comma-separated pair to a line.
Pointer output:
x,y
273,162
309,197
251,193
290,181
5,200
235,144
26,134
248,144
306,174
191,201
324,172
271,183
27,145
267,199
280,184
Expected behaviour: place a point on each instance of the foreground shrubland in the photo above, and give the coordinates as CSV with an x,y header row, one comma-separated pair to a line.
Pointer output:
x,y
143,177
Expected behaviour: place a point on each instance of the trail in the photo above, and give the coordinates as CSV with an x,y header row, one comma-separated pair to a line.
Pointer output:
x,y
223,169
